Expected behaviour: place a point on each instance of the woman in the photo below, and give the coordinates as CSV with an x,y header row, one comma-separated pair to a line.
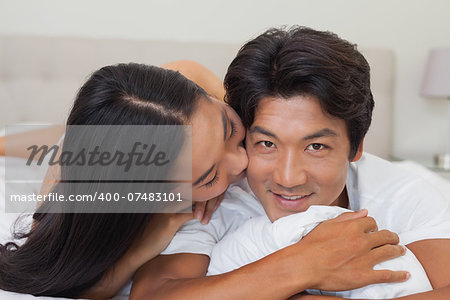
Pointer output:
x,y
67,254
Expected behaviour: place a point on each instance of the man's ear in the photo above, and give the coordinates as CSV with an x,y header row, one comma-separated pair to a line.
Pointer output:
x,y
359,152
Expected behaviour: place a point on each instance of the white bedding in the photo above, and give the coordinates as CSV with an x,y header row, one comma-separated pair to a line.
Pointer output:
x,y
7,220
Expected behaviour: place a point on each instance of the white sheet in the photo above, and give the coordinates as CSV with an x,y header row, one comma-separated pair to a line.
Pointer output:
x,y
439,182
7,220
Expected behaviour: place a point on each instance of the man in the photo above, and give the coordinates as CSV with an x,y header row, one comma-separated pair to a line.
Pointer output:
x,y
305,98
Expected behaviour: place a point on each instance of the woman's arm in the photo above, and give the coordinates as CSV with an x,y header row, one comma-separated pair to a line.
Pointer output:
x,y
338,254
200,75
434,256
150,244
154,239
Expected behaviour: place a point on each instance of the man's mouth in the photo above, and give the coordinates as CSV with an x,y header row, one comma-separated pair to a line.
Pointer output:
x,y
291,197
294,202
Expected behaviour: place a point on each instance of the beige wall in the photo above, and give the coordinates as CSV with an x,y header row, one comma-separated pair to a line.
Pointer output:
x,y
409,27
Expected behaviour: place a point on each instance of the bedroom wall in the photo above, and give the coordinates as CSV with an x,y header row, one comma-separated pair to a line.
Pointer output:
x,y
409,27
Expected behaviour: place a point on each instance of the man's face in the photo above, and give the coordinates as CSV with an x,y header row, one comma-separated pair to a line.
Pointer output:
x,y
298,156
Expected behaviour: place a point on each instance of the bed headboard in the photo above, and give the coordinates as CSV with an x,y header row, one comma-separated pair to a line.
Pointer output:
x,y
39,76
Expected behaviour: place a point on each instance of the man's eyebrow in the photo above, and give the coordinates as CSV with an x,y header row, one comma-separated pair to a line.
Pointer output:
x,y
321,133
225,125
203,177
258,129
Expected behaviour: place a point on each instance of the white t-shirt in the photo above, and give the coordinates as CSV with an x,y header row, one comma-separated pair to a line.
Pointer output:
x,y
260,237
194,237
399,201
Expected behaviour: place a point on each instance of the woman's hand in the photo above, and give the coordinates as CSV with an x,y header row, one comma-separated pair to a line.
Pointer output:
x,y
339,254
204,210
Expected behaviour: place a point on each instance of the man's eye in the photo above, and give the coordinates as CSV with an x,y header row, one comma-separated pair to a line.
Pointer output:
x,y
315,147
267,144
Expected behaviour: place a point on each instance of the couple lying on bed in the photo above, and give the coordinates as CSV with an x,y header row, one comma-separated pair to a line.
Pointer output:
x,y
304,103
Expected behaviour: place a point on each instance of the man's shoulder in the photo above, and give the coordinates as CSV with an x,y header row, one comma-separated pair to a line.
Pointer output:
x,y
377,184
375,177
375,170
398,200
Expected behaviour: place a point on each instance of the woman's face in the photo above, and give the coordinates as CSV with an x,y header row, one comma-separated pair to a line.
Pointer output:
x,y
218,155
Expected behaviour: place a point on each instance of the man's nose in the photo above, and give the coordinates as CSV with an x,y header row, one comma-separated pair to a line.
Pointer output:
x,y
289,171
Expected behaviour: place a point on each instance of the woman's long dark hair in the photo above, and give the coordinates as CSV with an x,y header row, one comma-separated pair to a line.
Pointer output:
x,y
67,253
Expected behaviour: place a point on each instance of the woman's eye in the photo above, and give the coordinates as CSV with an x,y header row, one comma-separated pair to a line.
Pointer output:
x,y
315,147
213,181
233,128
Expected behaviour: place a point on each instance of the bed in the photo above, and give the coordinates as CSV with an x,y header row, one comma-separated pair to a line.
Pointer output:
x,y
39,77
39,73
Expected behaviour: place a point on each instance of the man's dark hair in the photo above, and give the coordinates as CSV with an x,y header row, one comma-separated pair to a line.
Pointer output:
x,y
302,61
